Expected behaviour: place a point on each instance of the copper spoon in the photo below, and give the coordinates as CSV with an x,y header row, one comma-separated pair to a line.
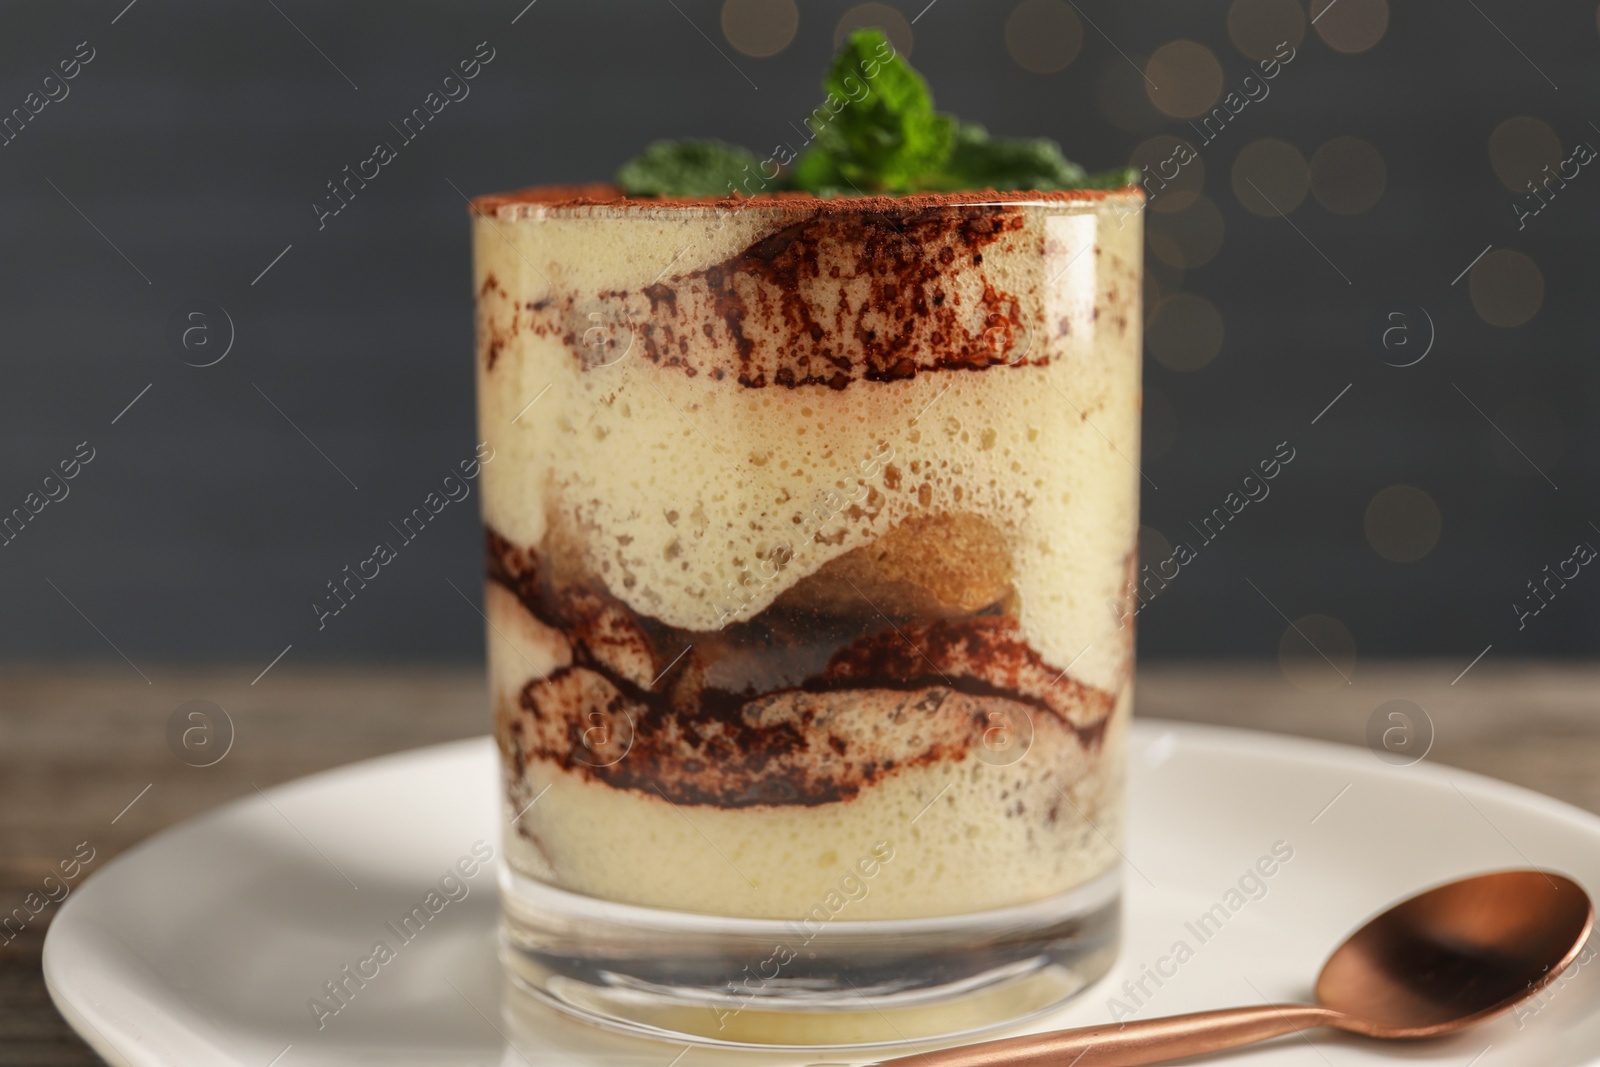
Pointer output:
x,y
1438,962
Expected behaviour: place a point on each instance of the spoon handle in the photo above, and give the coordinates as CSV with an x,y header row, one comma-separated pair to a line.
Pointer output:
x,y
1132,1043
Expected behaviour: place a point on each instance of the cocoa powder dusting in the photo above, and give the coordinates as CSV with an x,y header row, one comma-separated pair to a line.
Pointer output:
x,y
830,299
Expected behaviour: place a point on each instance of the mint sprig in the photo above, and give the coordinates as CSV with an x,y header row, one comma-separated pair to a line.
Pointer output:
x,y
978,161
886,136
877,132
686,168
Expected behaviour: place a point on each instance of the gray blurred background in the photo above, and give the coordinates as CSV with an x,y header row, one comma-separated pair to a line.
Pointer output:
x,y
1360,215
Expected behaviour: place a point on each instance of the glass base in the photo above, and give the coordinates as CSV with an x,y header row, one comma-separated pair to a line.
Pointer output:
x,y
779,984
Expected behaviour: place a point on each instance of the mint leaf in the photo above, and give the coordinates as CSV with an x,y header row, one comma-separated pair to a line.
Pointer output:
x,y
877,132
1115,178
816,172
687,168
978,161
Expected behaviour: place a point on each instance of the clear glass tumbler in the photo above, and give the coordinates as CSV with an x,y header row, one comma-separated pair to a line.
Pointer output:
x,y
810,527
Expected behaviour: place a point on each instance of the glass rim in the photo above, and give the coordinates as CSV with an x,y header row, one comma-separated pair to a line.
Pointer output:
x,y
605,201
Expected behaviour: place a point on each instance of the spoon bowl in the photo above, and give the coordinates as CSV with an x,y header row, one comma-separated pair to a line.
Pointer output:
x,y
1445,959
1456,954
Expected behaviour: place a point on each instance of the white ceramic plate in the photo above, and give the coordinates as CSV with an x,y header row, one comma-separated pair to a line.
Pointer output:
x,y
205,944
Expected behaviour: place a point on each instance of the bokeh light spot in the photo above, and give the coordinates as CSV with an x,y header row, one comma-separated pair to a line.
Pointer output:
x,y
1184,79
1348,175
1350,25
1507,288
1119,95
878,16
1402,523
1270,176
1519,150
1189,238
760,27
1185,333
1043,36
1258,27
1153,548
1317,654
1170,170
1159,280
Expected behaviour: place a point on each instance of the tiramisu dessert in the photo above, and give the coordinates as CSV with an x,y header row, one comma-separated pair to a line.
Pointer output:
x,y
808,502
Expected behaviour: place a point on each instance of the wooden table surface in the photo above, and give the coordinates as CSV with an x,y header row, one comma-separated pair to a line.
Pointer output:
x,y
78,745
